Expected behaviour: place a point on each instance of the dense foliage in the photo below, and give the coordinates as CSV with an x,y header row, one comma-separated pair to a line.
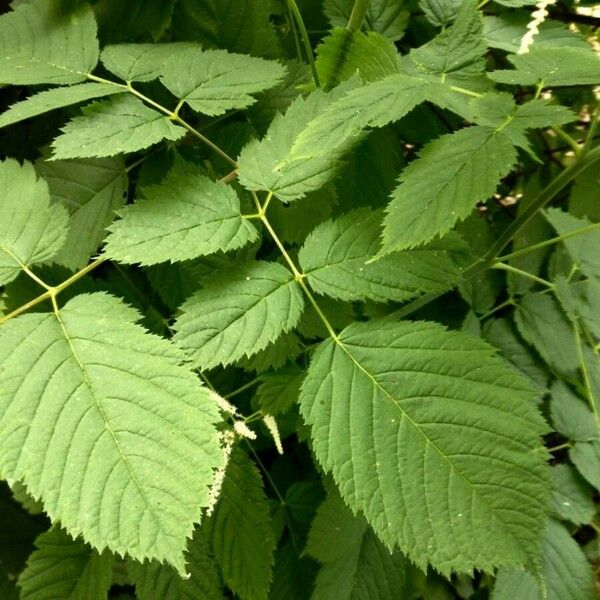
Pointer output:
x,y
299,299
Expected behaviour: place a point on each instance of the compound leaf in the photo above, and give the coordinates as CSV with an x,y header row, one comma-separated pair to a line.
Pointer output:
x,y
241,531
102,423
185,216
443,185
43,41
64,568
215,81
56,98
434,439
572,497
32,230
335,260
115,126
238,313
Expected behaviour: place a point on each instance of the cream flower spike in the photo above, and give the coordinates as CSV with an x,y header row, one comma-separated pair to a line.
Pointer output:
x,y
533,27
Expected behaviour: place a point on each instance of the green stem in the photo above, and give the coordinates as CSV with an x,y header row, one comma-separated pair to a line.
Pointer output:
x,y
509,302
560,447
52,292
574,144
589,388
592,132
511,269
357,16
550,242
305,40
242,388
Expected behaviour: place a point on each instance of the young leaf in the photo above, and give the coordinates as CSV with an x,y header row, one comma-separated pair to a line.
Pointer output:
x,y
551,67
345,52
335,260
238,313
91,190
56,98
185,216
154,580
440,12
127,465
44,41
32,231
572,497
140,62
543,324
61,567
214,81
355,564
430,199
260,161
387,17
116,126
279,391
434,439
241,531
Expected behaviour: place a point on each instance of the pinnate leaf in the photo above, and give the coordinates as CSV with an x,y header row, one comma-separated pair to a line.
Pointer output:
x,y
61,567
215,81
56,98
45,41
32,230
238,314
115,126
572,497
434,439
443,185
127,464
241,532
336,255
185,216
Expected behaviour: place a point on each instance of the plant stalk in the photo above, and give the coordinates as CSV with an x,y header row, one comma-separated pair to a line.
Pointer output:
x,y
359,10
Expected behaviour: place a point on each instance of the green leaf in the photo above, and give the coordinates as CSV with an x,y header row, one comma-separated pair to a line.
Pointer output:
x,y
571,415
335,260
585,248
283,350
457,53
552,67
238,313
91,190
586,457
116,126
215,81
434,439
279,391
55,98
43,41
543,324
63,568
566,572
140,62
32,231
387,17
134,20
128,465
429,199
373,105
241,26
355,564
260,161
185,216
501,334
505,31
440,12
241,531
202,581
572,497
344,52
